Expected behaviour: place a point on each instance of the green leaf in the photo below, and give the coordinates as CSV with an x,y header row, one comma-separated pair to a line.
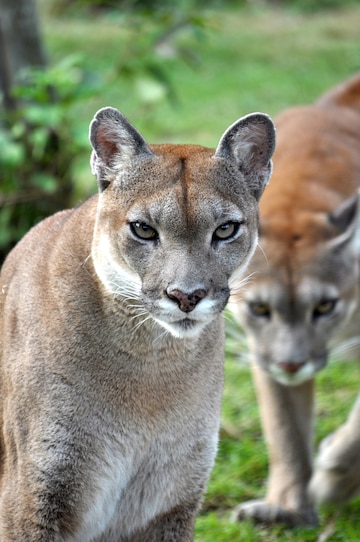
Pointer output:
x,y
47,183
150,90
12,154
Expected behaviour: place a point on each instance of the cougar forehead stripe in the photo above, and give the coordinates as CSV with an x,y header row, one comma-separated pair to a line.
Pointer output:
x,y
184,181
184,161
311,288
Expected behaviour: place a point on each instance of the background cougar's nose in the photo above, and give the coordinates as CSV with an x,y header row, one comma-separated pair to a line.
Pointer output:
x,y
291,366
187,302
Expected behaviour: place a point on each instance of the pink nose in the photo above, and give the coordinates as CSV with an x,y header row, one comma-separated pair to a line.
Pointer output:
x,y
291,366
187,302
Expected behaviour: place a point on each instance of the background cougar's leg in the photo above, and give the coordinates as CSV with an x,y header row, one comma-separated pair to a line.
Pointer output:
x,y
337,469
286,414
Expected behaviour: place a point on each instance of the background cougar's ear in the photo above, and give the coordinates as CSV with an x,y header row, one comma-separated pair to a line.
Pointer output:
x,y
249,144
115,142
346,218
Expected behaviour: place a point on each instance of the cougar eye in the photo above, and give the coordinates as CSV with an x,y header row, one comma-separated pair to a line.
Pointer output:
x,y
325,307
260,309
226,231
143,231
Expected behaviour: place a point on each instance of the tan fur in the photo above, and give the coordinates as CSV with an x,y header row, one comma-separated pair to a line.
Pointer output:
x,y
111,338
302,298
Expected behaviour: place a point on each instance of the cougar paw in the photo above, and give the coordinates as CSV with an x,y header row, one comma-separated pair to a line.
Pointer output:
x,y
334,484
336,477
270,514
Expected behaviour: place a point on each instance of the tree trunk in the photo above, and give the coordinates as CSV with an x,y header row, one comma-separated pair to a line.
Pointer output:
x,y
23,201
20,44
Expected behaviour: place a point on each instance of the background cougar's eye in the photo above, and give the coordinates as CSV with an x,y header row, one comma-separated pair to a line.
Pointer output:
x,y
143,231
326,306
260,309
226,231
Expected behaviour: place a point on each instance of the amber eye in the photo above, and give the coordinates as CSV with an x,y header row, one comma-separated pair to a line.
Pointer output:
x,y
260,309
325,307
226,231
143,231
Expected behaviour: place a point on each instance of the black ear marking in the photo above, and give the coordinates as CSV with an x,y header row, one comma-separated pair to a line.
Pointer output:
x,y
345,218
344,215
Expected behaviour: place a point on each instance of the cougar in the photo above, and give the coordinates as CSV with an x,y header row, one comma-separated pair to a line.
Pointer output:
x,y
111,343
302,299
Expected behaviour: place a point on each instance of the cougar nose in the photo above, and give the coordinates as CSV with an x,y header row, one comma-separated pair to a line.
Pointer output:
x,y
291,366
187,302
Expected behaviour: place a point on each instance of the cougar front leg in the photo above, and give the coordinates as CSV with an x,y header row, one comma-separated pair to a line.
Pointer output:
x,y
30,514
336,477
286,414
175,526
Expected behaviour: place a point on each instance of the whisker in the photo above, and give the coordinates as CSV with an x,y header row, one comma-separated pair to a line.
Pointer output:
x,y
240,285
83,264
160,336
125,295
127,288
264,253
139,324
138,315
343,348
124,292
236,276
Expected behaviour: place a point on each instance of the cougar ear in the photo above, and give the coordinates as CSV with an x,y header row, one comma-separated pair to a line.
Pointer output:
x,y
346,219
249,144
115,144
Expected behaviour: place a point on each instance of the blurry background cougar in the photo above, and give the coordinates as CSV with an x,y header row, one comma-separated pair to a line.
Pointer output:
x,y
302,297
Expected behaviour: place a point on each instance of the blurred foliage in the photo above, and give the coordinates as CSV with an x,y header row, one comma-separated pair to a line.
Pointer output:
x,y
314,5
38,145
73,6
146,56
149,6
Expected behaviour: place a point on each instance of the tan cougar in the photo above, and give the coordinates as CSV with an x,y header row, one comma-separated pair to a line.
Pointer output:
x,y
111,338
302,298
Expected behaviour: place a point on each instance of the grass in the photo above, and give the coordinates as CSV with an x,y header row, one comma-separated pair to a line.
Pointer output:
x,y
241,61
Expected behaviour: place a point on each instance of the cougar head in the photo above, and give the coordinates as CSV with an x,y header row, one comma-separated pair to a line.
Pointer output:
x,y
176,223
302,292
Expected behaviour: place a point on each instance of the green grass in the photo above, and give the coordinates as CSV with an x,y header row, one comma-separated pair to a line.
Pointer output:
x,y
243,61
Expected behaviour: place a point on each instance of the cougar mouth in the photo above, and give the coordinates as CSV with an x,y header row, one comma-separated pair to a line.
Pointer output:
x,y
184,328
186,324
306,372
